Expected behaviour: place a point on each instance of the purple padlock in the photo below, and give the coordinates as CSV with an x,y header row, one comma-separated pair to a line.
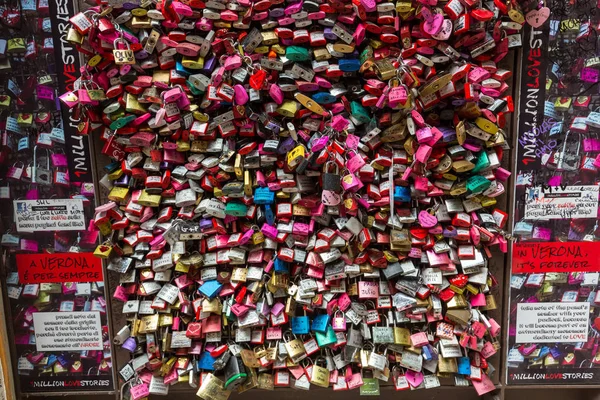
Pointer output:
x,y
129,344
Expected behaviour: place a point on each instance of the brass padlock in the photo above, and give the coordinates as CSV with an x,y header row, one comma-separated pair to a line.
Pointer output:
x,y
123,57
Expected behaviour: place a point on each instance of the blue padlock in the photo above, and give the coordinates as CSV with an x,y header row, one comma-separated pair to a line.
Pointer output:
x,y
426,353
300,325
280,266
181,70
262,195
464,366
269,215
323,98
319,323
349,64
402,193
206,361
210,288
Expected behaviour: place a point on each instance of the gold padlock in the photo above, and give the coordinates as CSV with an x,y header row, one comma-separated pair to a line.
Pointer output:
x,y
295,349
123,57
319,375
212,388
74,37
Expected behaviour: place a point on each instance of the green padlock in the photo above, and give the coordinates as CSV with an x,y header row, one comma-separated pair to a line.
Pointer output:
x,y
359,113
482,162
477,184
121,122
326,338
297,53
236,209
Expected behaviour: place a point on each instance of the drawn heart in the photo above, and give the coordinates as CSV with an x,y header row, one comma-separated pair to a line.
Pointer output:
x,y
434,25
536,18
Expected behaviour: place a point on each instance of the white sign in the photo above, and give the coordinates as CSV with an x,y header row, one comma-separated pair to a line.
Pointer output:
x,y
67,331
552,322
554,202
49,215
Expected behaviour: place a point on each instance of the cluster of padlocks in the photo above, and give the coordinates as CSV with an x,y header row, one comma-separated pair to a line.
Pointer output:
x,y
302,193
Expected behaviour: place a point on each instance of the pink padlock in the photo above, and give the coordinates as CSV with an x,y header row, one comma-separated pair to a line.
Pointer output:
x,y
397,95
423,153
232,62
172,95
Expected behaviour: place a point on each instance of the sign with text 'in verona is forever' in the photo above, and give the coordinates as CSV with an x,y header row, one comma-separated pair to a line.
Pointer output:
x,y
59,267
541,257
49,215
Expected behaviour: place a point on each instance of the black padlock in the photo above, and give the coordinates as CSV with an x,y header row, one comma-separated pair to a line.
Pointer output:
x,y
222,361
235,373
332,181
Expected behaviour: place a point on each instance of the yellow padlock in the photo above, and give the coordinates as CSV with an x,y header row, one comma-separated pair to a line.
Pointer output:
x,y
193,62
15,45
486,125
118,194
288,108
103,250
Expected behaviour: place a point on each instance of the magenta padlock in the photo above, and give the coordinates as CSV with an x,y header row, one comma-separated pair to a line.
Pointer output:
x,y
319,144
591,145
183,102
339,123
276,94
240,94
44,92
433,23
269,231
29,245
139,391
59,160
424,135
121,294
426,219
15,172
351,183
355,163
542,233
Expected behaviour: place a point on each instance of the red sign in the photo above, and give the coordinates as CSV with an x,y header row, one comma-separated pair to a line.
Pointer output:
x,y
556,257
59,267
